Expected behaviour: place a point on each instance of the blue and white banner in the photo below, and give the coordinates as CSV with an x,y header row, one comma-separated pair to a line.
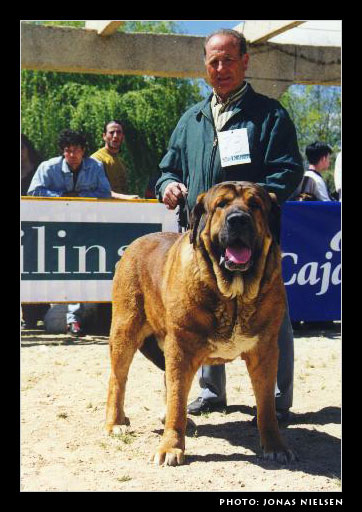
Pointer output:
x,y
69,249
311,250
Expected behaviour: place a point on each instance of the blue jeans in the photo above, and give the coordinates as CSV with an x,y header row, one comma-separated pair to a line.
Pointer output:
x,y
212,379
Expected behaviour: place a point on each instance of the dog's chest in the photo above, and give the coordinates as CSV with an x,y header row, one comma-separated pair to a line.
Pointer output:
x,y
231,336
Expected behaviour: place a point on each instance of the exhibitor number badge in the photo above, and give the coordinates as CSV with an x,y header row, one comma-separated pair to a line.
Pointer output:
x,y
234,147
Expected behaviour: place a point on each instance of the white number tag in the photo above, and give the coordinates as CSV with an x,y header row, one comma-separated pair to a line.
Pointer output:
x,y
234,147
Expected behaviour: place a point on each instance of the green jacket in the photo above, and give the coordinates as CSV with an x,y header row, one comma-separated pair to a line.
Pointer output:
x,y
193,156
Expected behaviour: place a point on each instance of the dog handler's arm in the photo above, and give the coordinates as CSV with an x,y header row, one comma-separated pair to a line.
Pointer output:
x,y
283,165
171,185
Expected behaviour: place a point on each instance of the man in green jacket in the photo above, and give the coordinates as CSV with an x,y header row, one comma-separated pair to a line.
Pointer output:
x,y
235,134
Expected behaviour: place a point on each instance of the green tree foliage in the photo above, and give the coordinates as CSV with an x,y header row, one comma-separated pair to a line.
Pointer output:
x,y
316,112
65,23
158,26
149,107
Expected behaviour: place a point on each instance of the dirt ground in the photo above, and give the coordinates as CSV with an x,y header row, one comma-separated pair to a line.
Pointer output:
x,y
64,446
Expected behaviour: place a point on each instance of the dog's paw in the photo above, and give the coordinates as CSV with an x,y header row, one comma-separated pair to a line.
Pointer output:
x,y
173,457
119,429
283,457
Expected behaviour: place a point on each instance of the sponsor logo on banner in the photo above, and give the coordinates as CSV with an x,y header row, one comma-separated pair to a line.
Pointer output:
x,y
318,274
67,251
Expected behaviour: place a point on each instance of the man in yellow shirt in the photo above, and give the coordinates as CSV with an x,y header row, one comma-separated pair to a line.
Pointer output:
x,y
115,169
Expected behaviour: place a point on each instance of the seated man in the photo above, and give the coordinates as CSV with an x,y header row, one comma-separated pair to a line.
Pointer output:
x,y
113,136
71,175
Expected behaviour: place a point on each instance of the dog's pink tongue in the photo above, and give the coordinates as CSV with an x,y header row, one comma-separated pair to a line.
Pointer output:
x,y
238,256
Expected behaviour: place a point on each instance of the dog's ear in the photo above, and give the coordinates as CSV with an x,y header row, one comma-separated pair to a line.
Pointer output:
x,y
274,217
195,218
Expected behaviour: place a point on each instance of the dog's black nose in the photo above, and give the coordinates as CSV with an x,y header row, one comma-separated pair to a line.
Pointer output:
x,y
237,220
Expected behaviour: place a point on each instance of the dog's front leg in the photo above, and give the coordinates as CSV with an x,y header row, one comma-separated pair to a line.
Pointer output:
x,y
262,364
180,370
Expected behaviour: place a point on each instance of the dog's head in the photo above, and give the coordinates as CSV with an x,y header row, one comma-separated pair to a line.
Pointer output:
x,y
235,222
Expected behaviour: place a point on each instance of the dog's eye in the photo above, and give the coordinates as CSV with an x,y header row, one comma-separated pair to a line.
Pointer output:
x,y
222,203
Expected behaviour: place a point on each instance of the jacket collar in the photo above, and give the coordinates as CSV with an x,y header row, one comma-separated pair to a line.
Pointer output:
x,y
67,169
205,106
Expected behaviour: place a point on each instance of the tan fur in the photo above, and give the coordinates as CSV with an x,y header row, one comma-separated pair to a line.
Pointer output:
x,y
199,313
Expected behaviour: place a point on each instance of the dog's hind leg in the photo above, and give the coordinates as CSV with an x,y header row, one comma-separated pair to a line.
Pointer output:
x,y
122,352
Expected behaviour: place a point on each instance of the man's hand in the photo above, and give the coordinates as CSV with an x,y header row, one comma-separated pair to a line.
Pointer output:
x,y
173,192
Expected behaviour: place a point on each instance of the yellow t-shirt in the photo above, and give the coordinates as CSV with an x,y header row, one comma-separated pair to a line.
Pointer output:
x,y
114,168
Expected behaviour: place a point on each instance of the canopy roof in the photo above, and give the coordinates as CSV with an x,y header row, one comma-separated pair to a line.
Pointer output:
x,y
282,52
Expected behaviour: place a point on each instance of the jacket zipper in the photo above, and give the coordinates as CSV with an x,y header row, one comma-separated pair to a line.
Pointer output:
x,y
213,152
212,158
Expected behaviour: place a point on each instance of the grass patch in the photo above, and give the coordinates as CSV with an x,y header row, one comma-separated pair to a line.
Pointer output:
x,y
126,437
124,478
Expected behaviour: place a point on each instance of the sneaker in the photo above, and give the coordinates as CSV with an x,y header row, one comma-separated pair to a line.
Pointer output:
x,y
75,329
201,405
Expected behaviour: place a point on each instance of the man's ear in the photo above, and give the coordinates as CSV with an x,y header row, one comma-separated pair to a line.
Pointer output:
x,y
195,218
274,217
245,59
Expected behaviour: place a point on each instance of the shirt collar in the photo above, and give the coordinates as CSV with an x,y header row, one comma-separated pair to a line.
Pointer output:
x,y
205,107
313,170
233,98
66,168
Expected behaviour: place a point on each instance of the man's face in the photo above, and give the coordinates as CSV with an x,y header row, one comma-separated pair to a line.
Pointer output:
x,y
327,161
324,163
113,137
74,156
225,66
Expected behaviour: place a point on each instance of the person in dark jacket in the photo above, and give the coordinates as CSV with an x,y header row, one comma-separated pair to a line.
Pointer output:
x,y
235,134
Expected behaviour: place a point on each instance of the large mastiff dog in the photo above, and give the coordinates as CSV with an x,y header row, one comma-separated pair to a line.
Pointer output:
x,y
203,297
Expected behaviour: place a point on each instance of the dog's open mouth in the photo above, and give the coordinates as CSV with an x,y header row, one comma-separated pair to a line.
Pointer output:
x,y
236,257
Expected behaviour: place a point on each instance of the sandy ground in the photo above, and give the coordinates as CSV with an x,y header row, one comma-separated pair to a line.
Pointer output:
x,y
64,446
